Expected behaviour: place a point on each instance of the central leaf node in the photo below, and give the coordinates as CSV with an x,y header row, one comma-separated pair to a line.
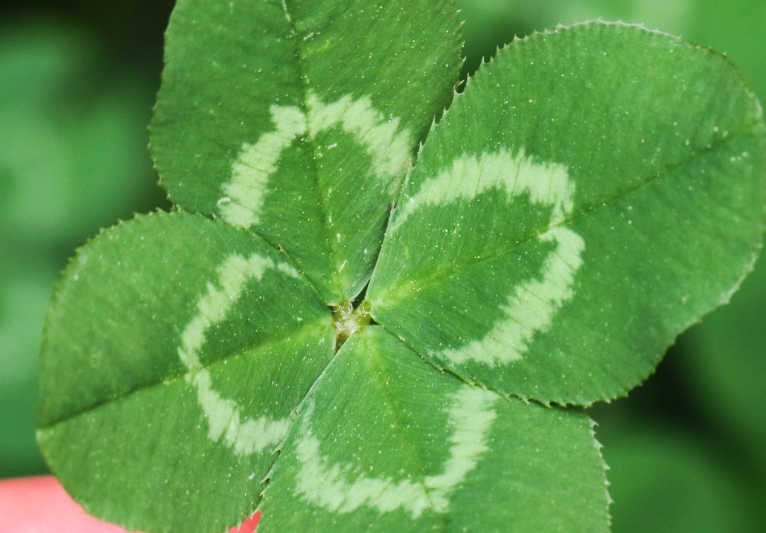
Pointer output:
x,y
348,320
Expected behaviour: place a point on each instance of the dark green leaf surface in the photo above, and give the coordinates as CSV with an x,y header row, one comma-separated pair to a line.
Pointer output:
x,y
299,119
422,451
609,196
155,346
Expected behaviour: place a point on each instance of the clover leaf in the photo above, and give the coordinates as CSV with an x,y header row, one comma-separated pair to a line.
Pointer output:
x,y
345,338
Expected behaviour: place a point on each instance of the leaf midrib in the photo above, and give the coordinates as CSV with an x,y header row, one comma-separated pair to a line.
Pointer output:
x,y
335,275
301,331
299,409
747,129
394,413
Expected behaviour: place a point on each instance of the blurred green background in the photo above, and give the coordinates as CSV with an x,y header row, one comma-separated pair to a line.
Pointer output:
x,y
77,80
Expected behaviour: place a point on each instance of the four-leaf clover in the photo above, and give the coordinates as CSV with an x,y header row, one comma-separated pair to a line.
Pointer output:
x,y
357,318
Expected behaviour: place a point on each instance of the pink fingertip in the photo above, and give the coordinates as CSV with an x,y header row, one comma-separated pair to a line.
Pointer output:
x,y
248,526
40,505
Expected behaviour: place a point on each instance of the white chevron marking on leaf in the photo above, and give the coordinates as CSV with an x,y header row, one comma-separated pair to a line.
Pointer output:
x,y
388,145
530,308
251,171
533,304
343,489
469,176
243,436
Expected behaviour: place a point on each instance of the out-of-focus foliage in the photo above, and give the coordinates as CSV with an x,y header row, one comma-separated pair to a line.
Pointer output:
x,y
665,481
73,159
727,361
735,27
73,146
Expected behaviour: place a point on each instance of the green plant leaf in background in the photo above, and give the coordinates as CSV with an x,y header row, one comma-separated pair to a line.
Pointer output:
x,y
70,148
667,481
23,302
729,367
730,27
592,193
73,158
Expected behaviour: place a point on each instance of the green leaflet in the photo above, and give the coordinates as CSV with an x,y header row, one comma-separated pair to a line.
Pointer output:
x,y
163,330
421,451
299,118
571,235
593,192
